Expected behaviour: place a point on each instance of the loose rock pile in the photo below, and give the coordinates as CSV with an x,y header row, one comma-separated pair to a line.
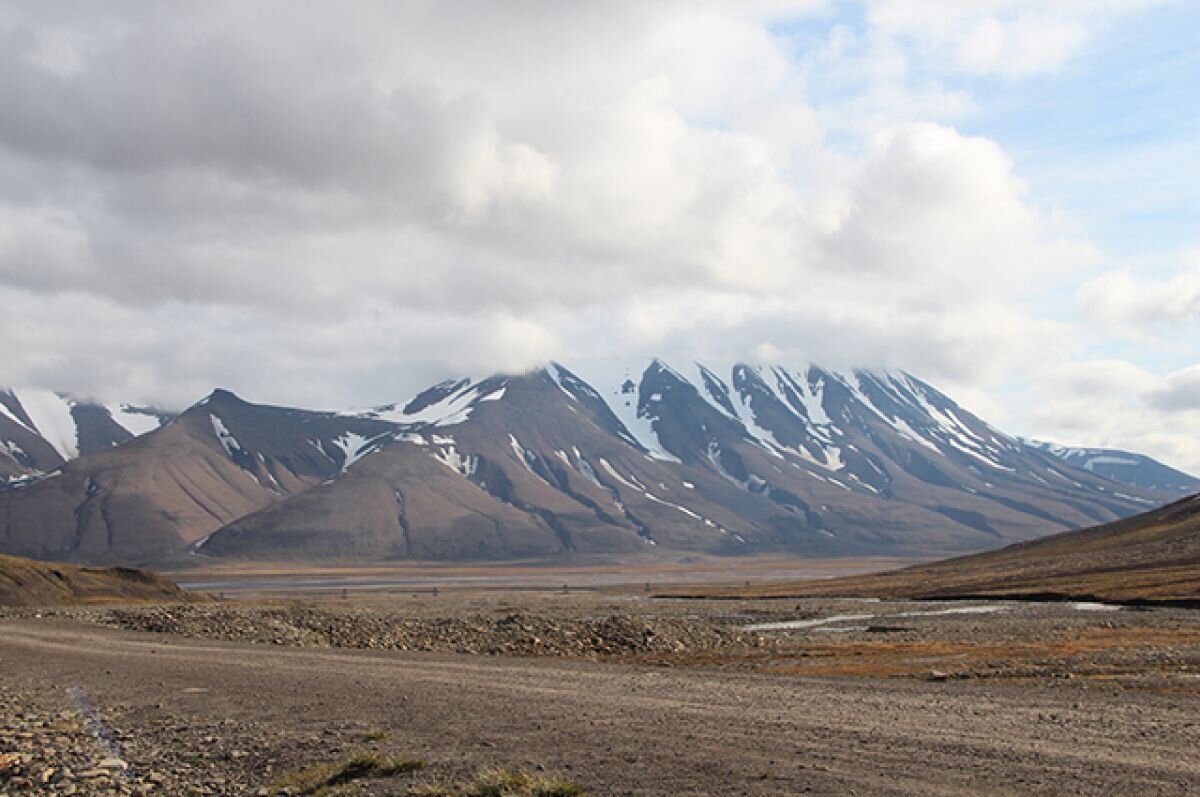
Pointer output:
x,y
60,751
55,753
515,633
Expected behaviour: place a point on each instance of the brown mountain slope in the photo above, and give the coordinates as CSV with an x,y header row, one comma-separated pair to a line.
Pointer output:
x,y
538,470
24,582
477,491
738,460
149,499
1154,556
540,464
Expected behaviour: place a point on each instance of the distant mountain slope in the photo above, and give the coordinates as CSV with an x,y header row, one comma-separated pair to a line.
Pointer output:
x,y
149,498
734,460
40,429
24,582
614,459
1135,470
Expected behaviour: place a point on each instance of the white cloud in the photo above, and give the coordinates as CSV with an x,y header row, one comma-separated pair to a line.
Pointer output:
x,y
1008,38
1117,404
1178,392
669,151
1125,300
372,196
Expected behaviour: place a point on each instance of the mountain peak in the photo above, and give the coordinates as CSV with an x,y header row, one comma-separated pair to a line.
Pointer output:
x,y
221,396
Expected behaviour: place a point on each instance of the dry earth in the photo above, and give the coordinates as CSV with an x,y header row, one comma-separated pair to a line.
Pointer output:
x,y
624,694
25,582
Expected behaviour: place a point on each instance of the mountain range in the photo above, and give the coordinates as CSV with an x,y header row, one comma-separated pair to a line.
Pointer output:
x,y
1136,470
602,460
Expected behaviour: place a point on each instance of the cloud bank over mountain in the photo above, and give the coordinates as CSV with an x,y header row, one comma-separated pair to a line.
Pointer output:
x,y
333,204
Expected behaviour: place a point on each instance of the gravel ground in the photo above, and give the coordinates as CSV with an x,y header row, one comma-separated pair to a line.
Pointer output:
x,y
818,636
918,698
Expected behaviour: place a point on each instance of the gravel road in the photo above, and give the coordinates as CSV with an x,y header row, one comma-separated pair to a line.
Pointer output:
x,y
222,717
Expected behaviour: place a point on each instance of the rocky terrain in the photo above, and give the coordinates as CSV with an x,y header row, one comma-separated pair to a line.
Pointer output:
x,y
49,749
422,694
972,640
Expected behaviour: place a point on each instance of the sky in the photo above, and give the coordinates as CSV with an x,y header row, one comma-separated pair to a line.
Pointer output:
x,y
336,204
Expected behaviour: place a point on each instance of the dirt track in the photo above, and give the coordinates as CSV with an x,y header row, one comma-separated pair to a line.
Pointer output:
x,y
615,728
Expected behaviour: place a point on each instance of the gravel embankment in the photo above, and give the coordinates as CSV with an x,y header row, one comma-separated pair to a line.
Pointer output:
x,y
514,633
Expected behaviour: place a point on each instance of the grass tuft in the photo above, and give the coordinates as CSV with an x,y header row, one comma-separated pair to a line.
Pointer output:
x,y
369,765
506,783
321,779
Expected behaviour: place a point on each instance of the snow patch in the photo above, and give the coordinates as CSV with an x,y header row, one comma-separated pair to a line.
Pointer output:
x,y
225,437
452,459
682,509
496,395
354,447
619,388
7,413
51,416
136,423
556,377
604,463
908,433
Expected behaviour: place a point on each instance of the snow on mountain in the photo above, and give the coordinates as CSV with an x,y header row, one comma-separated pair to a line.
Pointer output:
x,y
618,386
1123,467
41,429
445,404
153,496
50,415
623,455
607,457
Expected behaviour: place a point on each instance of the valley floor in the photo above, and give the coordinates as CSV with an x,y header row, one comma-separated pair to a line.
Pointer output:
x,y
618,691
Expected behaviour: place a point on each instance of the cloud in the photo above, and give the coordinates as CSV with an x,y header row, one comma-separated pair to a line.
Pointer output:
x,y
1124,300
1006,38
189,163
1179,392
337,205
1117,404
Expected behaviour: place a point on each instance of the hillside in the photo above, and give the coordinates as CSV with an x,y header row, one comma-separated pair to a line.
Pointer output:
x,y
25,582
1152,557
